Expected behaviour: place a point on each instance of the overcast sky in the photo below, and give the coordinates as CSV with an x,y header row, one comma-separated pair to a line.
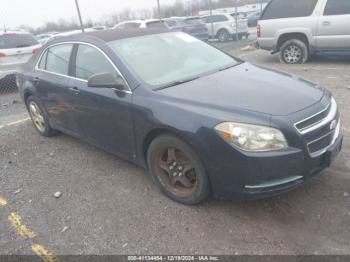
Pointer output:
x,y
35,12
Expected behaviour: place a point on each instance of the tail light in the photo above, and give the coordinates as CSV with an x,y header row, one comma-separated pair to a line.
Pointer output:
x,y
2,55
35,50
258,31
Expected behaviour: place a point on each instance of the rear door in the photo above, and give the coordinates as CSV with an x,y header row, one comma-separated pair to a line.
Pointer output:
x,y
51,81
102,115
334,26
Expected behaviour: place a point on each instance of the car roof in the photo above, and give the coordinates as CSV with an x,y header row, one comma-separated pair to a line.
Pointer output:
x,y
113,34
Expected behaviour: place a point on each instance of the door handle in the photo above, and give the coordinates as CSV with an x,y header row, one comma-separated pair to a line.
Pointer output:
x,y
36,80
74,90
326,23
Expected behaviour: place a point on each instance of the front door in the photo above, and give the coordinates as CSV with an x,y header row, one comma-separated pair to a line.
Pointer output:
x,y
333,31
102,115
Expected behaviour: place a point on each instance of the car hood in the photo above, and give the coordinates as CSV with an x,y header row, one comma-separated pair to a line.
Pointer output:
x,y
250,87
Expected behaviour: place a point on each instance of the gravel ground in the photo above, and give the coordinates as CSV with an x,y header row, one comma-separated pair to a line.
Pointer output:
x,y
109,206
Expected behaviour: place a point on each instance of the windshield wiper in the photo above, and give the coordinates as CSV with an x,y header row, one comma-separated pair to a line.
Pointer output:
x,y
175,83
227,67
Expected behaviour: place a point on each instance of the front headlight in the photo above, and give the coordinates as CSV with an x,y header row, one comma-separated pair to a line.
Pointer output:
x,y
252,137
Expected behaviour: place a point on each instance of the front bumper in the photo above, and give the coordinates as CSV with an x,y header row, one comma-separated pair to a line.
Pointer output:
x,y
316,165
261,175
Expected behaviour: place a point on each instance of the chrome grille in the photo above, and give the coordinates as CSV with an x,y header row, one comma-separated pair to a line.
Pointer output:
x,y
325,124
313,120
321,143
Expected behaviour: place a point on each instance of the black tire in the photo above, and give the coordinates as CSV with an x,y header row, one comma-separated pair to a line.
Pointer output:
x,y
294,51
46,129
223,36
192,196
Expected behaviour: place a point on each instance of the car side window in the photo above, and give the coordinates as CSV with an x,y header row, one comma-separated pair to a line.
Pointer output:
x,y
57,59
90,61
285,9
337,7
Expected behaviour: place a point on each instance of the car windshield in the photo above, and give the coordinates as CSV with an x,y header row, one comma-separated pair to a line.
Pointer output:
x,y
8,41
170,58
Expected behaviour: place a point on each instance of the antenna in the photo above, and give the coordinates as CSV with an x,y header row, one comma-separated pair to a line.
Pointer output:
x,y
79,14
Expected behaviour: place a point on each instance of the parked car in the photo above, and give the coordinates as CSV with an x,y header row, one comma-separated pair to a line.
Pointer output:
x,y
223,27
150,23
43,38
304,28
201,121
16,47
253,19
191,25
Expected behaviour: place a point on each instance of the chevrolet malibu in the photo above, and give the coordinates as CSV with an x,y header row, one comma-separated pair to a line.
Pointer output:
x,y
201,121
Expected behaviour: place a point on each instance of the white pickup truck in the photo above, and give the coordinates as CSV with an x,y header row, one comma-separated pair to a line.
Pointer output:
x,y
299,28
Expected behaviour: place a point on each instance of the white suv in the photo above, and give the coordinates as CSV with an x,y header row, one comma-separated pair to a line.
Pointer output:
x,y
16,48
299,28
223,27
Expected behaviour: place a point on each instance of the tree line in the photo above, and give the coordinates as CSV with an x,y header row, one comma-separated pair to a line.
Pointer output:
x,y
178,8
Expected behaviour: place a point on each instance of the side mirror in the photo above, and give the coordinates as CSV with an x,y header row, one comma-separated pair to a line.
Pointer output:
x,y
106,80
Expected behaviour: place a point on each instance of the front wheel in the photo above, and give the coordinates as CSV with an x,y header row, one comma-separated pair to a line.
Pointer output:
x,y
177,170
294,52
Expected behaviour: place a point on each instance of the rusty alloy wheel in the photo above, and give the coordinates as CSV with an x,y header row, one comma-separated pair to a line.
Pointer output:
x,y
175,171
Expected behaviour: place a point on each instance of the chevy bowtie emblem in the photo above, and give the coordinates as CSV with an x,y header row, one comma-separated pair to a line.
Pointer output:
x,y
334,124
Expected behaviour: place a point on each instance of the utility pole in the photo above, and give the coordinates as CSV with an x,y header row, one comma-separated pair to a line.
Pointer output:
x,y
211,19
159,13
79,14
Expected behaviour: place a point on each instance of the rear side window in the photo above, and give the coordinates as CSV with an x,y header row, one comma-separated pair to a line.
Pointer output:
x,y
337,7
57,59
287,8
91,61
9,41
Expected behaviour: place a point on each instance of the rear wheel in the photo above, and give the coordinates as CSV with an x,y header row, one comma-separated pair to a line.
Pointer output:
x,y
38,117
294,52
223,35
177,170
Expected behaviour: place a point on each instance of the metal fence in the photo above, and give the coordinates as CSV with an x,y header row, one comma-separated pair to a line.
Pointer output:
x,y
7,83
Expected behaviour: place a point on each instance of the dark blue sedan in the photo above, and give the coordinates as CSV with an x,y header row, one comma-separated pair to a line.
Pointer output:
x,y
201,121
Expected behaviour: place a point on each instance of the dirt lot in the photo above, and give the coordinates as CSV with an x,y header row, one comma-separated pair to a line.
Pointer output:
x,y
109,206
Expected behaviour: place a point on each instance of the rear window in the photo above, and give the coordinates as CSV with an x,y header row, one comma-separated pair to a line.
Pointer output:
x,y
287,8
8,41
337,7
